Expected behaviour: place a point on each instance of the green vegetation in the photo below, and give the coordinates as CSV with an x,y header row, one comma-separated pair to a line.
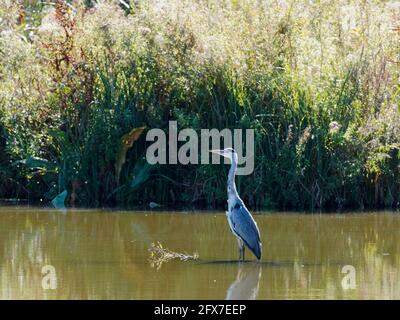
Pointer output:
x,y
318,81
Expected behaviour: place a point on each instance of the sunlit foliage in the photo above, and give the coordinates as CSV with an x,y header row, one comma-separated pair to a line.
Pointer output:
x,y
318,81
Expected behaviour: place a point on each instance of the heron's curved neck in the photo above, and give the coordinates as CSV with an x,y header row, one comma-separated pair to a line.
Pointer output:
x,y
231,178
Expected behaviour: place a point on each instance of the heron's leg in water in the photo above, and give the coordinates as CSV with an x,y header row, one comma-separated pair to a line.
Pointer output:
x,y
241,250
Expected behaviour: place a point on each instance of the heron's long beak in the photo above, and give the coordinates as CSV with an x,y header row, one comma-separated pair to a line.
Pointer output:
x,y
220,152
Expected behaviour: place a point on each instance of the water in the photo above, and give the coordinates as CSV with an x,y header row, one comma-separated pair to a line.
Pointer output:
x,y
104,255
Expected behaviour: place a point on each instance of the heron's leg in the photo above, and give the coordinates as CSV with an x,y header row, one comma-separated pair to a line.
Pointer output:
x,y
241,250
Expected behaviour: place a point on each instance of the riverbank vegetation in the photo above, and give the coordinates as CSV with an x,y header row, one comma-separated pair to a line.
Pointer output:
x,y
82,81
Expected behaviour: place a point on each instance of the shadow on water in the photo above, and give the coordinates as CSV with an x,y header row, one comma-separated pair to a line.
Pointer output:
x,y
285,263
253,262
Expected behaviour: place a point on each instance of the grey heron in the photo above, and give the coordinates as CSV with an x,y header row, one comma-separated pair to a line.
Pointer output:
x,y
240,220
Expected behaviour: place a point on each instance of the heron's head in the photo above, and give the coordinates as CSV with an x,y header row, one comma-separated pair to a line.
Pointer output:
x,y
229,153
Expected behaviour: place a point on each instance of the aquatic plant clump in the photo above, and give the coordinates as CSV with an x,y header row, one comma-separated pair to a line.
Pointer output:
x,y
160,255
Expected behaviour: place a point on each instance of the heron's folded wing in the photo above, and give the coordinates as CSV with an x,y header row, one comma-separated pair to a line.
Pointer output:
x,y
245,226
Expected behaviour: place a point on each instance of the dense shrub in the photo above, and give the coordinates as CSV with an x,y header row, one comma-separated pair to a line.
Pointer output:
x,y
319,83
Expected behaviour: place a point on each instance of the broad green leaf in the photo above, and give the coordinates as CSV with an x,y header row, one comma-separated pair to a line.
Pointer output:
x,y
58,135
36,163
63,143
141,173
59,201
125,144
153,205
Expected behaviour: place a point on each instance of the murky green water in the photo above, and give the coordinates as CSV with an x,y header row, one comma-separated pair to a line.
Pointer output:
x,y
104,255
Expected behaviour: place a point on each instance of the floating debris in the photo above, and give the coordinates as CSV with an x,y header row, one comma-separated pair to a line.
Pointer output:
x,y
159,255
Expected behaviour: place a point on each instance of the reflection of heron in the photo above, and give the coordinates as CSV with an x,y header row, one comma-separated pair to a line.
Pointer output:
x,y
246,285
240,220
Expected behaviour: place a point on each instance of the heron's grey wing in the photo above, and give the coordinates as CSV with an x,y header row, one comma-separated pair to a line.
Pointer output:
x,y
246,228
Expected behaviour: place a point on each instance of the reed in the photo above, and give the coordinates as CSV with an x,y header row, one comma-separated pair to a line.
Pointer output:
x,y
319,83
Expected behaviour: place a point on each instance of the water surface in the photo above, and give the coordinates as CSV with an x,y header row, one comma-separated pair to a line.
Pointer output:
x,y
104,255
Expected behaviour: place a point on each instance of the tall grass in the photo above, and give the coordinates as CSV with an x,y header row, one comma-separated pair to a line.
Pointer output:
x,y
319,83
